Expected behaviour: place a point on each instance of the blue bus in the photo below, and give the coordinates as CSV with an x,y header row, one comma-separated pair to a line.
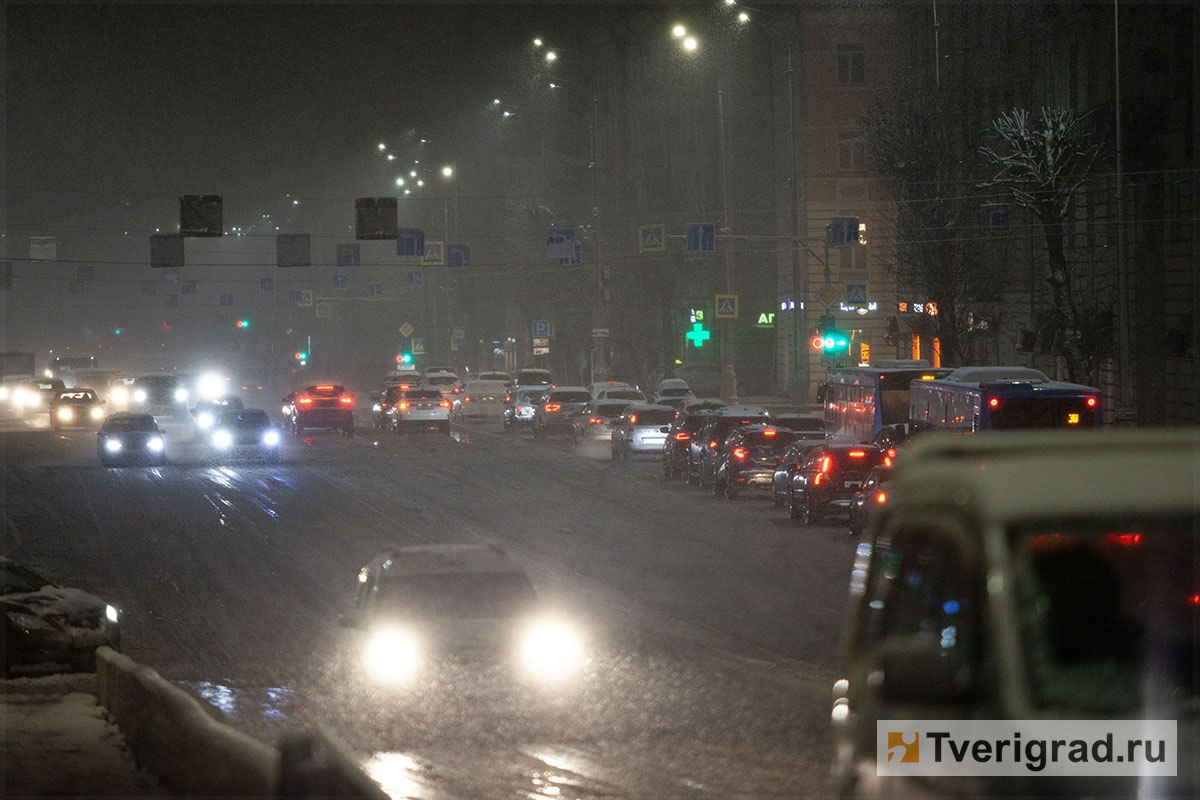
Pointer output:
x,y
861,400
973,399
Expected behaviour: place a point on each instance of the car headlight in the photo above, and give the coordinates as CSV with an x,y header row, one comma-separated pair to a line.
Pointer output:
x,y
222,439
3,393
392,655
113,445
65,414
33,399
119,396
271,438
111,614
29,621
205,420
96,413
140,396
155,444
551,650
181,395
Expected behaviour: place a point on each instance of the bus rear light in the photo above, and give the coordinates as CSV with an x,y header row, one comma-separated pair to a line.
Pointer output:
x,y
1091,402
681,436
740,453
857,454
552,407
770,432
994,402
444,404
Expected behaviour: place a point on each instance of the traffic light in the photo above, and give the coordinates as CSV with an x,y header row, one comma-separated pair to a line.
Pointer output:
x,y
243,323
404,358
302,357
835,342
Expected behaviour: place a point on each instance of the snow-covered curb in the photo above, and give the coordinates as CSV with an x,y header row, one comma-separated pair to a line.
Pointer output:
x,y
174,737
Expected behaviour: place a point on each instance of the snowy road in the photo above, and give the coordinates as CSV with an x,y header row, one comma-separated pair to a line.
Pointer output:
x,y
713,624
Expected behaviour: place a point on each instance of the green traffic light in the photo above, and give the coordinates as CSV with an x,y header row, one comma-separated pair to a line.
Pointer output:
x,y
117,332
406,358
243,323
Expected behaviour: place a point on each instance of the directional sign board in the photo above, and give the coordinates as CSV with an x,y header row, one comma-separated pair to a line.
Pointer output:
x,y
410,242
541,351
727,306
348,255
418,347
541,328
406,330
543,342
574,260
600,333
652,239
701,237
560,243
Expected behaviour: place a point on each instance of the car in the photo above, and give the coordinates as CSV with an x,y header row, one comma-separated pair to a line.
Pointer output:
x,y
826,482
621,393
595,420
696,404
322,405
675,447
641,430
811,425
873,494
445,382
403,377
502,377
557,414
422,609
480,399
751,454
704,450
420,407
246,432
164,394
533,376
76,408
595,388
789,462
34,396
386,399
521,404
46,624
892,437
673,392
205,413
1028,576
120,392
131,438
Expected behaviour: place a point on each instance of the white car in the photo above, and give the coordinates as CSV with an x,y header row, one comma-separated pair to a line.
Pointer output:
x,y
447,383
480,399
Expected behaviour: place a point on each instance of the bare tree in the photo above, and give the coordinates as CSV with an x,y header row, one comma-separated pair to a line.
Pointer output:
x,y
917,144
1042,163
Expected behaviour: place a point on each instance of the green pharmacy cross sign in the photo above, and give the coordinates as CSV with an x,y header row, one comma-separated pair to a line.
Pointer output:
x,y
698,335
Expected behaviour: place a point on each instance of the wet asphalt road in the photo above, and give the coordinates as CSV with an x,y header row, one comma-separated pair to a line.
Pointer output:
x,y
712,625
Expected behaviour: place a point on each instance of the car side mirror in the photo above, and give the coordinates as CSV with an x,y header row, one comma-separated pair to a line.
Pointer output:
x,y
917,669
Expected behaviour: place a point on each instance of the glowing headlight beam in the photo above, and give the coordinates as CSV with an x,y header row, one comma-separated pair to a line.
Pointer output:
x,y
271,438
222,440
551,650
205,420
155,444
111,614
392,655
113,445
65,414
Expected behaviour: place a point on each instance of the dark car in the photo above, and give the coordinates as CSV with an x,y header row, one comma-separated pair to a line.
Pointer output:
x,y
594,422
811,425
751,455
790,461
703,449
383,403
159,394
826,482
131,439
323,405
558,413
76,408
891,437
246,432
871,496
206,412
532,376
675,448
47,624
641,430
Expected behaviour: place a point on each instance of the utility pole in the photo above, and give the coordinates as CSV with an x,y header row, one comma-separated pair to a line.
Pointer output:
x,y
729,390
799,275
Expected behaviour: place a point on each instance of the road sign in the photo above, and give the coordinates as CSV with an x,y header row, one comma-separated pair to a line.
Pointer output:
x,y
415,277
406,330
458,255
994,217
410,242
727,306
543,342
541,351
348,255
842,231
541,329
574,260
701,237
652,239
599,333
856,294
826,295
306,298
435,254
560,243
324,309
418,347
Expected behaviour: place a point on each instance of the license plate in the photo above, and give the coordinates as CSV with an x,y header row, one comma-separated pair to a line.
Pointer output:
x,y
852,485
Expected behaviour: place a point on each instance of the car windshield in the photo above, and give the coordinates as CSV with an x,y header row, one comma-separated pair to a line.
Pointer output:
x,y
442,380
245,420
674,392
15,579
422,394
87,396
623,394
157,382
609,409
533,377
653,416
1109,610
457,596
805,424
569,397
130,424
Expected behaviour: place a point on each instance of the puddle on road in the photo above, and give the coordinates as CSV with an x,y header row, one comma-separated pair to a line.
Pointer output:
x,y
258,707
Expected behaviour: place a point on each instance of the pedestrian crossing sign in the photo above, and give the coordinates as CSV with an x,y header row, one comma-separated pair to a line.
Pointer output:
x,y
652,239
435,255
727,306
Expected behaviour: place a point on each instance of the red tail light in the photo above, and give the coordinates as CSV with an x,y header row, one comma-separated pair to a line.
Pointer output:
x,y
1194,599
467,399
444,404
383,405
857,454
346,399
552,407
891,452
887,461
713,444
769,433
826,463
817,479
881,497
456,390
595,420
403,406
304,400
508,398
994,402
1091,402
681,436
1124,539
325,387
633,419
405,386
740,453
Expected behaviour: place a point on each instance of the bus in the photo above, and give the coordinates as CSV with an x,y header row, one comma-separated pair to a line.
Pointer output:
x,y
974,399
861,400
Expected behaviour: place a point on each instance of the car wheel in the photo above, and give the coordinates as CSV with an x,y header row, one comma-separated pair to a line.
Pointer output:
x,y
808,515
717,488
104,462
776,499
692,479
793,507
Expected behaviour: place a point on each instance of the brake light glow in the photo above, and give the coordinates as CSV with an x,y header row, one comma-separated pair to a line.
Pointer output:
x,y
891,452
887,461
595,421
769,433
881,497
994,402
325,387
467,399
403,406
713,444
444,404
1194,599
1091,402
405,386
740,453
681,436
552,407
346,399
1124,539
304,400
826,463
817,479
857,454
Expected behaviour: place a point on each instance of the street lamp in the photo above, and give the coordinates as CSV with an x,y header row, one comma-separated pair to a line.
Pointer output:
x,y
679,31
447,171
551,56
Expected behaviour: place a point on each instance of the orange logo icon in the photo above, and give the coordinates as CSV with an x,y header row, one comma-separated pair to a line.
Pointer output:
x,y
909,752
